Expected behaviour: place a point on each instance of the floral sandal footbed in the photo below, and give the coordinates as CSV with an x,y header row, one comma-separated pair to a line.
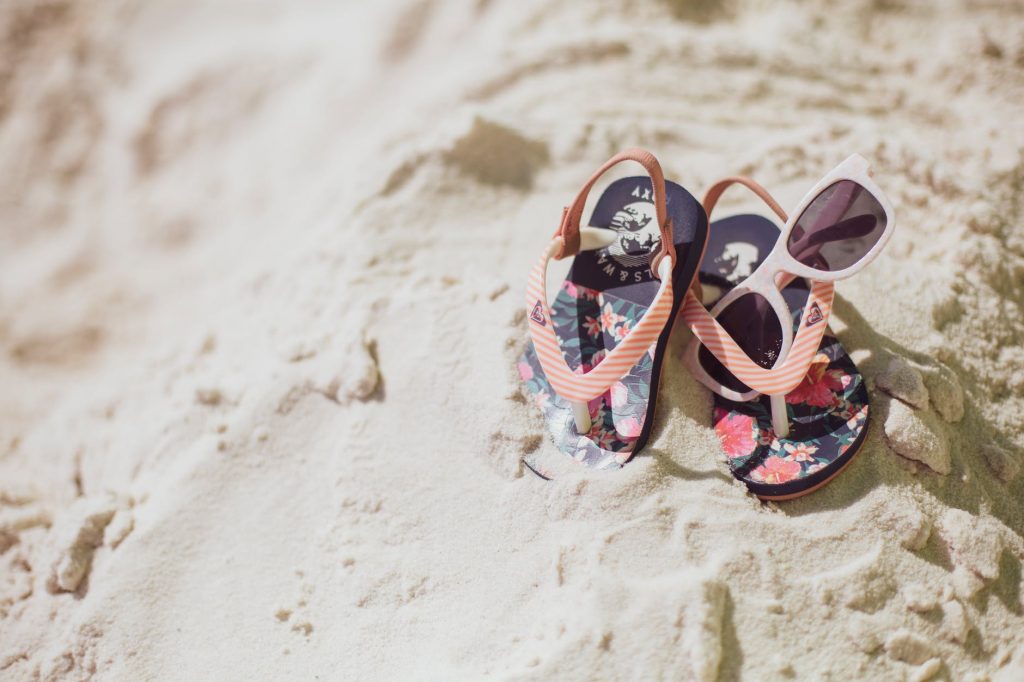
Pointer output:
x,y
828,411
604,295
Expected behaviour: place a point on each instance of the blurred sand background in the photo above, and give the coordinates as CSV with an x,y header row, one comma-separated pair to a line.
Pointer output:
x,y
261,269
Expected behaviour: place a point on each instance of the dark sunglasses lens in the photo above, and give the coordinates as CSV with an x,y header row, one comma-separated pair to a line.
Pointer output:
x,y
838,228
754,326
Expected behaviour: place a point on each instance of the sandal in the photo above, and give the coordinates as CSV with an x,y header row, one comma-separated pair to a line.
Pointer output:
x,y
594,362
791,407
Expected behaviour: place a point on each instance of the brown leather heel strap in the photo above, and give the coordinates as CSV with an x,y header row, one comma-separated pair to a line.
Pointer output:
x,y
569,230
713,194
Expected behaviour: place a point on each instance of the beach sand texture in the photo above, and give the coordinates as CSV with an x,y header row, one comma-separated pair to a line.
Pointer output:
x,y
261,275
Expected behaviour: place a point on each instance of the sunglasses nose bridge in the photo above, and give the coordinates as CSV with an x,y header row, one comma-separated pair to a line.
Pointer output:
x,y
764,276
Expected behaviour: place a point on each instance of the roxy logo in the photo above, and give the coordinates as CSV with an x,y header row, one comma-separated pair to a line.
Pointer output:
x,y
627,258
537,315
814,315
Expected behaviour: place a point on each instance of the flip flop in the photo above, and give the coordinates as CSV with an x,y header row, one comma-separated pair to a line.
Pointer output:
x,y
827,411
596,377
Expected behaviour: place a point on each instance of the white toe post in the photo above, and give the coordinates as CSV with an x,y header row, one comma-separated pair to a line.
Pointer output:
x,y
594,238
780,416
581,415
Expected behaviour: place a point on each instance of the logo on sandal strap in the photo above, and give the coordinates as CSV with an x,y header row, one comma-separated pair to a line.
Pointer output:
x,y
814,316
538,314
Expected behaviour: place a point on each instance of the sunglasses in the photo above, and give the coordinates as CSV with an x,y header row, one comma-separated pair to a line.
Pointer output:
x,y
746,346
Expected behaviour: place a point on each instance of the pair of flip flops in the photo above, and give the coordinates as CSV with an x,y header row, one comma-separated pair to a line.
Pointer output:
x,y
790,408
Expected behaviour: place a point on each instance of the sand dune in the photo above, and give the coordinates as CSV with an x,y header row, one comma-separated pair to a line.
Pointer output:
x,y
261,269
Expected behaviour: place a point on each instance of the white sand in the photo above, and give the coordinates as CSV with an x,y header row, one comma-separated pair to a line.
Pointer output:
x,y
260,298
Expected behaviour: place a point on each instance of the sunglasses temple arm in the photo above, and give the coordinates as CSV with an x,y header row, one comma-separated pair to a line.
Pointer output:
x,y
811,244
713,194
835,207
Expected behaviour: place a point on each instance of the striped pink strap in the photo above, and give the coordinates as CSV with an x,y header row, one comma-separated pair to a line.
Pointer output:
x,y
714,193
785,376
581,387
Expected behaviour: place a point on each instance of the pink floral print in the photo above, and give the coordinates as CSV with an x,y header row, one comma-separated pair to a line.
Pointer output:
x,y
828,414
776,470
818,386
619,394
588,327
736,431
800,452
609,318
622,330
630,427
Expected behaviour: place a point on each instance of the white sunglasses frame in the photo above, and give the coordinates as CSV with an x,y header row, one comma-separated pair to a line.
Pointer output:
x,y
764,280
